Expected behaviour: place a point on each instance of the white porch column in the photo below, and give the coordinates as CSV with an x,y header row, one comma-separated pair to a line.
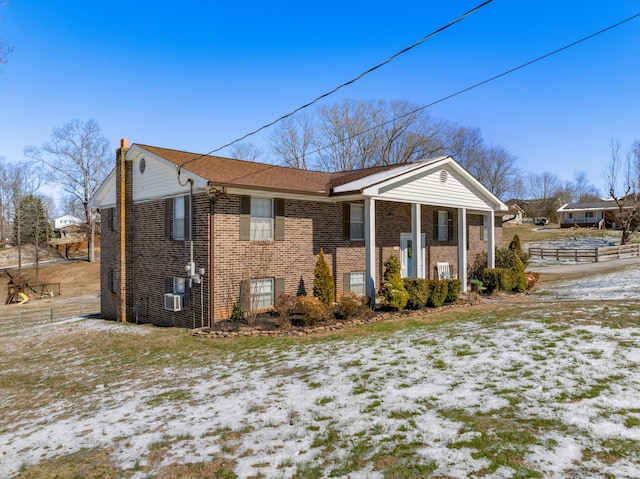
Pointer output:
x,y
370,248
416,234
462,248
491,241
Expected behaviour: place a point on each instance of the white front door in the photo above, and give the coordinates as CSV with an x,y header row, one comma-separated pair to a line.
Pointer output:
x,y
406,254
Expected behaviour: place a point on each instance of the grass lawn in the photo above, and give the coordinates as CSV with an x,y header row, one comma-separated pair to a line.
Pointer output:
x,y
526,390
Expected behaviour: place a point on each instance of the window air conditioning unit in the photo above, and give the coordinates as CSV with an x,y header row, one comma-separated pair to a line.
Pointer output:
x,y
173,302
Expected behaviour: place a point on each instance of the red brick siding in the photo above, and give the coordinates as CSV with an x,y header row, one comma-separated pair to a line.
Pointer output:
x,y
309,226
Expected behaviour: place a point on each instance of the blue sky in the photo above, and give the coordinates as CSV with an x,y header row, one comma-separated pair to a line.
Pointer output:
x,y
195,75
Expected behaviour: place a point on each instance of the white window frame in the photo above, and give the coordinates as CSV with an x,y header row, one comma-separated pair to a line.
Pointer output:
x,y
356,222
178,218
179,285
359,286
261,293
261,221
443,225
589,215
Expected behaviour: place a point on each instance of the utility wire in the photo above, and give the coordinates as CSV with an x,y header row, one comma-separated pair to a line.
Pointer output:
x,y
324,95
484,82
464,90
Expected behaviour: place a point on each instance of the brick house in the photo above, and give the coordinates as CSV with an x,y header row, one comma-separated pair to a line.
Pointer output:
x,y
186,236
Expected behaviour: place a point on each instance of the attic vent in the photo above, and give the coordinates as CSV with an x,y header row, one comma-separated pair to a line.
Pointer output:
x,y
142,165
443,176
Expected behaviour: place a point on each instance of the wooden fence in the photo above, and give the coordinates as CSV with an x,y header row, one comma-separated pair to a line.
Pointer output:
x,y
586,254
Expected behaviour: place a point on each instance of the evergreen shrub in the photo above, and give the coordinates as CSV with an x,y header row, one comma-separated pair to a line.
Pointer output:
x,y
393,290
323,285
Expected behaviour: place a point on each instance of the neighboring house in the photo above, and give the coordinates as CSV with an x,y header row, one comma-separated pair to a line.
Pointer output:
x,y
186,236
593,214
66,220
514,216
67,226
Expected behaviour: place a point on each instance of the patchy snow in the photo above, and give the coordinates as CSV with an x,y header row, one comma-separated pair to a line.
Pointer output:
x,y
570,242
618,285
413,386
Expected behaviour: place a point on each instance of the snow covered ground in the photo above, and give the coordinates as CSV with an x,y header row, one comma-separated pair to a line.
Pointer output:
x,y
555,387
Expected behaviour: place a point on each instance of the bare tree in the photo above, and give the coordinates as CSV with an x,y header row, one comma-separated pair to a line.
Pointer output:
x,y
78,157
623,182
246,151
19,180
5,49
292,139
581,189
543,189
496,169
341,136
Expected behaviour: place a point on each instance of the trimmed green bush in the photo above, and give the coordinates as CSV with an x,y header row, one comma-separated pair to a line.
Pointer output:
x,y
502,279
393,290
453,291
419,291
438,293
432,293
323,286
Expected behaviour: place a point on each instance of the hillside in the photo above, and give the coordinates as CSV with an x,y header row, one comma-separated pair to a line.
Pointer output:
x,y
76,277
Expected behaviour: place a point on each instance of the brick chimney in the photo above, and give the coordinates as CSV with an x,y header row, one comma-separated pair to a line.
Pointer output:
x,y
123,205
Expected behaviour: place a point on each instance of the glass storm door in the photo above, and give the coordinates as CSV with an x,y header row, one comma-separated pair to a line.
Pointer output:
x,y
406,254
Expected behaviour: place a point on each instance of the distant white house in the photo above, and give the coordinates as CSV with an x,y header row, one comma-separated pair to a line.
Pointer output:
x,y
66,220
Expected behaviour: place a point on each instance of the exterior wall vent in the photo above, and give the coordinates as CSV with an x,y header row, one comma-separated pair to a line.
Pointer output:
x,y
173,302
444,176
143,165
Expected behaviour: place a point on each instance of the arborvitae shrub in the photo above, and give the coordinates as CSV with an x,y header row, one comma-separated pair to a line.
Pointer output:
x,y
393,287
515,244
323,286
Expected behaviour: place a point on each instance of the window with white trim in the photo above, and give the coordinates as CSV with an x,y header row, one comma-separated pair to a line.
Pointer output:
x,y
443,225
589,214
356,222
261,293
357,282
261,219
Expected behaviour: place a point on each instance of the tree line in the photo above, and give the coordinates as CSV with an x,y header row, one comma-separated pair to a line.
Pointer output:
x,y
77,158
352,134
356,134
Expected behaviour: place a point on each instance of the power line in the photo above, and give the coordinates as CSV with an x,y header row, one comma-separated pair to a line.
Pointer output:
x,y
331,92
464,90
484,82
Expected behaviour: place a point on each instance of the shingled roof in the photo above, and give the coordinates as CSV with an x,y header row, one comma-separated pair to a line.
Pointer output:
x,y
229,172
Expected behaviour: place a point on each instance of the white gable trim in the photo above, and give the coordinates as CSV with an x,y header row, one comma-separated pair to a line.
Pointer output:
x,y
419,183
160,180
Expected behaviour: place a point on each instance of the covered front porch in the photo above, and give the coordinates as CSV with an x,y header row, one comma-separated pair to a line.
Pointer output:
x,y
443,198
